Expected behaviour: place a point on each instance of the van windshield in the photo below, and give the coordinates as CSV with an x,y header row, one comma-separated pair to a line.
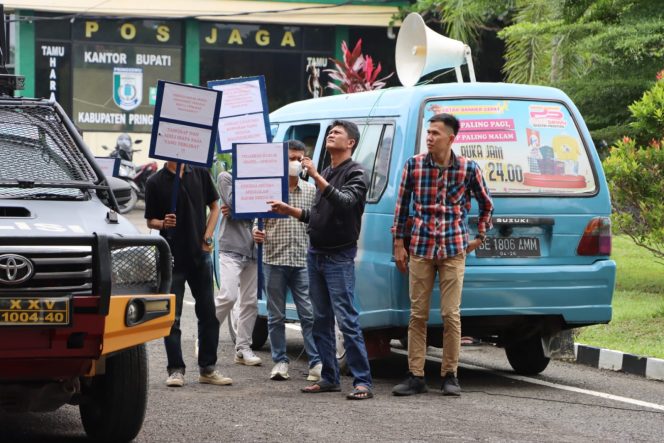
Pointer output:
x,y
523,146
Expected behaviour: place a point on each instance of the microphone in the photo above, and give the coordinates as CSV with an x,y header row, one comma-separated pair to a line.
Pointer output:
x,y
302,173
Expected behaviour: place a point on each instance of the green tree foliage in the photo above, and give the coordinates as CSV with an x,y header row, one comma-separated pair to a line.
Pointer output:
x,y
648,113
635,172
462,20
636,179
603,53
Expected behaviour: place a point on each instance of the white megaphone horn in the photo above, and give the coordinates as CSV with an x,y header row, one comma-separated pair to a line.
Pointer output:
x,y
421,50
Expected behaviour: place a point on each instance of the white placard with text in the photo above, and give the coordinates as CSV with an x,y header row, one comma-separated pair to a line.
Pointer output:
x,y
243,117
251,195
185,123
260,173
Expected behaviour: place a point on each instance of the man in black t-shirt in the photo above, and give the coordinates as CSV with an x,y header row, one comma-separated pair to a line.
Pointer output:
x,y
189,234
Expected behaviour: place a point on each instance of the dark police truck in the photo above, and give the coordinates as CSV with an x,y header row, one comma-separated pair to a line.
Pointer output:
x,y
80,290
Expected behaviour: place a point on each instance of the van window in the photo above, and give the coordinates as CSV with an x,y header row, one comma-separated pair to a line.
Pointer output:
x,y
307,134
382,165
523,146
373,153
365,153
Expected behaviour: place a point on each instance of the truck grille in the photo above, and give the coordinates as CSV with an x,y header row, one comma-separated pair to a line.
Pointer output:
x,y
57,269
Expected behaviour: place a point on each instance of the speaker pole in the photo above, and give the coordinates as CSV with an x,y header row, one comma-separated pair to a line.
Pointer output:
x,y
459,74
469,62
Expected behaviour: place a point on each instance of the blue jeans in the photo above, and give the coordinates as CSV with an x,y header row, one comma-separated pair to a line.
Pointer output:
x,y
331,289
278,279
198,273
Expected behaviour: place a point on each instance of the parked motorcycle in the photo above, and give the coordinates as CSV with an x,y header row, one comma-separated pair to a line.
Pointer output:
x,y
128,171
144,172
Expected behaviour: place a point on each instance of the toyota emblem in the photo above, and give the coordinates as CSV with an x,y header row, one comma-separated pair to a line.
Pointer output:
x,y
15,269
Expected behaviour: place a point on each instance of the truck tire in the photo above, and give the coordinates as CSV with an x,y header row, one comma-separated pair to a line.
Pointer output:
x,y
113,408
259,334
527,356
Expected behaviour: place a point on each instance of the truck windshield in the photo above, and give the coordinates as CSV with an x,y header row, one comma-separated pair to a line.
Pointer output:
x,y
36,148
523,147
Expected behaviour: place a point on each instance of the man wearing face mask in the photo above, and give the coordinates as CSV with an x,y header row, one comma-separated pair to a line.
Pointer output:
x,y
285,243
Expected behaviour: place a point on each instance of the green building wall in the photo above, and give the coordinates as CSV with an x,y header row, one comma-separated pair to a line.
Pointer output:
x,y
25,53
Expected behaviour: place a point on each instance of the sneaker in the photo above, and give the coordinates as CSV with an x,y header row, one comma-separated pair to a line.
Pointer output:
x,y
175,379
410,386
314,372
214,378
280,371
451,385
247,357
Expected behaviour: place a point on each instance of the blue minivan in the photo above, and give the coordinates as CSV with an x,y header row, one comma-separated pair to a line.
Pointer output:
x,y
545,265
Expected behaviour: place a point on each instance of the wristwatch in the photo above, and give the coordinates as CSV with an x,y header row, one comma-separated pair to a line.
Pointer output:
x,y
480,236
208,241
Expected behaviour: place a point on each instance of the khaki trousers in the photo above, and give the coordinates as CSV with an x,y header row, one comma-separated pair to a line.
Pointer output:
x,y
422,274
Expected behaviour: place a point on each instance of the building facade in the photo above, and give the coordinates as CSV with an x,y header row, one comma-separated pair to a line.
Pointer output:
x,y
102,63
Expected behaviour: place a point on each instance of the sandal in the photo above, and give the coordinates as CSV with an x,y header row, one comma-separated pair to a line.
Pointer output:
x,y
321,386
360,393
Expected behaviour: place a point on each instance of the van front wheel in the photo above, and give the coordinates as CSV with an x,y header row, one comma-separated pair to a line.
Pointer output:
x,y
113,404
527,356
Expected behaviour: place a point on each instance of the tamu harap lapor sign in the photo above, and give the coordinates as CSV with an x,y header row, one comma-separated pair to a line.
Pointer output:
x,y
185,123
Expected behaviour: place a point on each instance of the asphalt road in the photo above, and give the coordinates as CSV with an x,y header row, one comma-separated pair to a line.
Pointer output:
x,y
567,402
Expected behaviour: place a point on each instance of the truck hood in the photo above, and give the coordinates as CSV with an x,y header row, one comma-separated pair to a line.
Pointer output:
x,y
38,218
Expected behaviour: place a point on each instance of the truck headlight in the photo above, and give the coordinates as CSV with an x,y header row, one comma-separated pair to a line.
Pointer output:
x,y
135,312
141,310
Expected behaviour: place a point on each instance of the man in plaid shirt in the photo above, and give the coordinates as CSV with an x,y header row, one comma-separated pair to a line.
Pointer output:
x,y
440,184
285,243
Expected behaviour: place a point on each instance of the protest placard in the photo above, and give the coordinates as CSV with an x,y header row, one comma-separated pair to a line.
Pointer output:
x,y
185,123
109,166
260,174
244,112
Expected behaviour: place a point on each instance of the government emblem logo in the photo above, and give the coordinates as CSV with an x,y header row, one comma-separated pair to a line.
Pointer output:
x,y
127,87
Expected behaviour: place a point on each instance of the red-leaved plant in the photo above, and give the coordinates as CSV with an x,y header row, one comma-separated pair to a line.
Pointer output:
x,y
356,73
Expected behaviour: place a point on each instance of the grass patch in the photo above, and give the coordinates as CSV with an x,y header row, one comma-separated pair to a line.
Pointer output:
x,y
637,326
638,268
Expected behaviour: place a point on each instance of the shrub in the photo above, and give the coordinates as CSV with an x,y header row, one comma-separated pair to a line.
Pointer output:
x,y
648,113
636,180
357,72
